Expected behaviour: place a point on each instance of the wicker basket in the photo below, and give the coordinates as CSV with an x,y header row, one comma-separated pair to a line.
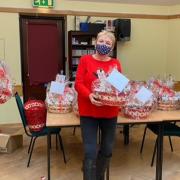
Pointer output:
x,y
111,99
59,109
137,112
168,106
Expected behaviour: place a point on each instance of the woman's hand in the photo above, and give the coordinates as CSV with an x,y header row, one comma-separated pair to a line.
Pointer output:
x,y
94,100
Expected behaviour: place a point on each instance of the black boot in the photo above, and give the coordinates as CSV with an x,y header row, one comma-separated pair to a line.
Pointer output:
x,y
101,166
89,169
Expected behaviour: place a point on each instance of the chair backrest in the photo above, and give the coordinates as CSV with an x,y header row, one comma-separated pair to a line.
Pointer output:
x,y
21,111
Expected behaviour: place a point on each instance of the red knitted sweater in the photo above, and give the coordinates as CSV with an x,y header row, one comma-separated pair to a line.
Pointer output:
x,y
85,75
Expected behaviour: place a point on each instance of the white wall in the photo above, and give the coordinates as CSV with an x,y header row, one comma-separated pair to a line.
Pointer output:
x,y
145,55
173,57
9,33
153,49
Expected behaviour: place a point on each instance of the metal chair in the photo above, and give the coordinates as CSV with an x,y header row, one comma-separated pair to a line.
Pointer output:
x,y
170,129
35,135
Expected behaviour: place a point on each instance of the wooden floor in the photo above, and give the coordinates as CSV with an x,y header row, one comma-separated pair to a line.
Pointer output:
x,y
127,163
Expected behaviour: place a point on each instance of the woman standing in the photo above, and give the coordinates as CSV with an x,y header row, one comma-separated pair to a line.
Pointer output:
x,y
93,114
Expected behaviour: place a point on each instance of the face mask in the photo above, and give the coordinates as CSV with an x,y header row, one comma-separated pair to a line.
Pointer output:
x,y
103,49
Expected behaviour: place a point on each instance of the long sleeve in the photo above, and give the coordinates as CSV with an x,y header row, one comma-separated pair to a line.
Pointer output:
x,y
80,74
119,67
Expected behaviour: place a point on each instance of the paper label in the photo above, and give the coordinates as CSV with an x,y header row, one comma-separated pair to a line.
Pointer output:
x,y
143,95
57,88
118,80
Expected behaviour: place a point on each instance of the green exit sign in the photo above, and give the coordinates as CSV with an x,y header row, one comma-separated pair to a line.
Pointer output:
x,y
43,3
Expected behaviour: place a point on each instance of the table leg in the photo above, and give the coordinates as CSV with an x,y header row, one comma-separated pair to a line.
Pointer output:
x,y
159,159
126,134
48,154
107,172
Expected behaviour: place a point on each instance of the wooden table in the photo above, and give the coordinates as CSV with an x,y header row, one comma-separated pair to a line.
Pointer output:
x,y
157,117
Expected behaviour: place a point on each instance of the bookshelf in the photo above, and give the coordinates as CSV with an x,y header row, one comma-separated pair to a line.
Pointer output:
x,y
79,44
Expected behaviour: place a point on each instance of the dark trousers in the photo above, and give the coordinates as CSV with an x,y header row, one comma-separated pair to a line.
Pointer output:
x,y
89,127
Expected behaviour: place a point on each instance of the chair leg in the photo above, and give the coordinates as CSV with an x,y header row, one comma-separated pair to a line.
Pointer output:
x,y
31,150
62,147
154,152
30,145
142,144
170,142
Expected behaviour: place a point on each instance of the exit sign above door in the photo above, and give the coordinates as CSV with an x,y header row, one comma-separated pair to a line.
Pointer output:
x,y
43,3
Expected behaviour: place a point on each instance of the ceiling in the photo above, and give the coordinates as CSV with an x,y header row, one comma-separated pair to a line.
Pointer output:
x,y
144,2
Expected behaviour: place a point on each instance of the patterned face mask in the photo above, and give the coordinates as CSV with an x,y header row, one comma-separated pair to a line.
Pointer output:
x,y
103,49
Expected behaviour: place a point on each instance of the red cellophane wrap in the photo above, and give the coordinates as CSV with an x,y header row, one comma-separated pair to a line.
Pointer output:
x,y
133,108
6,85
35,111
75,102
107,94
168,99
57,103
75,108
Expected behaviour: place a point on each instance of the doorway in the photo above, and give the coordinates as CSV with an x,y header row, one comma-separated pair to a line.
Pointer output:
x,y
42,53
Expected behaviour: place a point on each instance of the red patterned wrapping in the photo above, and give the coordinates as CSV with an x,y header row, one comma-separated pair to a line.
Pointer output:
x,y
6,87
75,102
159,88
75,108
168,99
108,95
137,112
168,103
35,111
135,109
57,103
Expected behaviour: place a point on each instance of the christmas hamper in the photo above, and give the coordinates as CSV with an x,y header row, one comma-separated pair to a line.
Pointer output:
x,y
6,85
107,94
135,109
60,103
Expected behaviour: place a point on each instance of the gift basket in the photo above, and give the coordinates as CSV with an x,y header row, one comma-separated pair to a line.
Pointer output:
x,y
135,109
106,93
60,103
168,99
6,85
35,111
75,108
169,102
75,102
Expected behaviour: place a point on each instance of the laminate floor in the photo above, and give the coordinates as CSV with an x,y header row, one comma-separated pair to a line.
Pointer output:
x,y
127,163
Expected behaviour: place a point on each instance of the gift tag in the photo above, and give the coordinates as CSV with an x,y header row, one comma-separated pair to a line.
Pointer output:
x,y
143,95
57,87
118,80
60,78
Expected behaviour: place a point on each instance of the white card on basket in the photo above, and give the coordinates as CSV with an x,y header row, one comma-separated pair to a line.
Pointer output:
x,y
143,95
57,87
118,80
